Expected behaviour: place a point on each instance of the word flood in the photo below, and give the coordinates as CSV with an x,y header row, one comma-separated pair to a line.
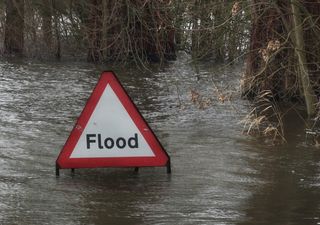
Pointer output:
x,y
109,143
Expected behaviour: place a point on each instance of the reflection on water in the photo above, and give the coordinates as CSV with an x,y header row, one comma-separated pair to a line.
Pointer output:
x,y
290,193
219,176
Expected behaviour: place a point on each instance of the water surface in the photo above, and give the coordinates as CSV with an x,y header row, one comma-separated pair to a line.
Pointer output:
x,y
220,176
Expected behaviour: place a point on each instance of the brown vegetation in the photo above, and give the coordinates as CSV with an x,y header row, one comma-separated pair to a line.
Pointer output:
x,y
283,56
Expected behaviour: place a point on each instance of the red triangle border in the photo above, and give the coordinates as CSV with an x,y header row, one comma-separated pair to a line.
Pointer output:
x,y
64,161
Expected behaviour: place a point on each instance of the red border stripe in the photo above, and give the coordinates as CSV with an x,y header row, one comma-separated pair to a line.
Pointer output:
x,y
64,161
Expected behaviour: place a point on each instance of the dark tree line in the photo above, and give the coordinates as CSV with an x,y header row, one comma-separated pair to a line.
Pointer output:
x,y
106,30
125,30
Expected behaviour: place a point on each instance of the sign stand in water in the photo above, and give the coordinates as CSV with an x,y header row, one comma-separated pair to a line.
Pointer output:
x,y
111,132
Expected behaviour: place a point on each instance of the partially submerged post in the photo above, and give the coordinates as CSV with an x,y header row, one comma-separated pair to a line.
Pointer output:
x,y
308,92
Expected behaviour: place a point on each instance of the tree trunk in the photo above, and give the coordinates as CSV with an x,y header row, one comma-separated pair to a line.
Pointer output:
x,y
309,95
94,28
219,32
46,26
57,30
14,27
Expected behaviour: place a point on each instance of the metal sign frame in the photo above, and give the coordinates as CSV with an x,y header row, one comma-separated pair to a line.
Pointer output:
x,y
160,158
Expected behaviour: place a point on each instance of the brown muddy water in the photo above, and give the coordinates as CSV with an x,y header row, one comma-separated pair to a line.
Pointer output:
x,y
219,175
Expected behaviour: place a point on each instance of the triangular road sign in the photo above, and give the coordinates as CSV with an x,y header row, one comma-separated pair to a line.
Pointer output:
x,y
111,132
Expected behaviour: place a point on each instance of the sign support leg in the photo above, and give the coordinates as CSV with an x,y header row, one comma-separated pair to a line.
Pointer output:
x,y
169,167
57,171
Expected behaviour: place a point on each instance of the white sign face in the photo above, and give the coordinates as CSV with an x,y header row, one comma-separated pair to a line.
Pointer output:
x,y
110,132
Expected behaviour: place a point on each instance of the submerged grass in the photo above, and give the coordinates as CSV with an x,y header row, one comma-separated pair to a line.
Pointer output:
x,y
265,120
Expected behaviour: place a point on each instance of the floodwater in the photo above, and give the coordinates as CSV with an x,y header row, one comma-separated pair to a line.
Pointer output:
x,y
219,175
